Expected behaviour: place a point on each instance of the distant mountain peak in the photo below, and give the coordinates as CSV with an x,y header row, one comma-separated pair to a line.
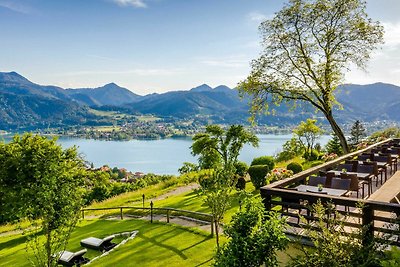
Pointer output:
x,y
13,77
201,88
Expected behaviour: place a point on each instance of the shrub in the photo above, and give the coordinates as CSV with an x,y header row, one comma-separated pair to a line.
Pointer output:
x,y
258,175
278,174
313,155
241,183
264,160
295,167
241,168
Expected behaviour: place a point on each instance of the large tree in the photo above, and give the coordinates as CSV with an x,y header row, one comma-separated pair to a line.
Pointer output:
x,y
42,182
307,48
307,132
219,148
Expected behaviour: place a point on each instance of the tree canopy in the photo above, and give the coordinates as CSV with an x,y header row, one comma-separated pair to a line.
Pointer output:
x,y
220,148
42,182
307,132
307,48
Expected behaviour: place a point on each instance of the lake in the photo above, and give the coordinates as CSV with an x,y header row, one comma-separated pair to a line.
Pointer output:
x,y
164,156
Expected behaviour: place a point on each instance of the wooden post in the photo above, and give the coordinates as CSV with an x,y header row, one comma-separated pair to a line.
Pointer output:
x,y
83,214
266,199
121,213
368,224
212,226
167,215
151,211
143,199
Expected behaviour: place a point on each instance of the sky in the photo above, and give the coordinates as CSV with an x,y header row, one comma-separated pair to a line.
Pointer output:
x,y
152,46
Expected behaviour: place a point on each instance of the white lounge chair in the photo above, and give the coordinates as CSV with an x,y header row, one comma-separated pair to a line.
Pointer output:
x,y
68,258
104,244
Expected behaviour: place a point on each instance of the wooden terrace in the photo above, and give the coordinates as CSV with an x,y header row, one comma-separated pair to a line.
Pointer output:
x,y
363,186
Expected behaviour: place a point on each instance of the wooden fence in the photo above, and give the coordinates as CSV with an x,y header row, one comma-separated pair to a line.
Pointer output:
x,y
378,219
168,212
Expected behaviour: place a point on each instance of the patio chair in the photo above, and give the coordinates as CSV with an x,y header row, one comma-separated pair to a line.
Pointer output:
x,y
363,157
67,258
292,202
370,170
347,167
104,244
352,162
338,183
355,183
316,180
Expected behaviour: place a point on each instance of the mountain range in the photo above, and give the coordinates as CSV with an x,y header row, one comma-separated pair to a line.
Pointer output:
x,y
27,105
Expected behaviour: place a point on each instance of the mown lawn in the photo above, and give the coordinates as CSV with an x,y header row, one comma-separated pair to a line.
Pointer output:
x,y
156,244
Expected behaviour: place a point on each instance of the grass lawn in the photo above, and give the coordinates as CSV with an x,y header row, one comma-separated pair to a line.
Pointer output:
x,y
156,244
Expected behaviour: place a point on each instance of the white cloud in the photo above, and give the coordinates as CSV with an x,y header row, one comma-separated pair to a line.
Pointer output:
x,y
229,62
392,34
138,72
134,3
15,6
257,17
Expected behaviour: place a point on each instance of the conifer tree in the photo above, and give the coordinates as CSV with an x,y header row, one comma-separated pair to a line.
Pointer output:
x,y
357,133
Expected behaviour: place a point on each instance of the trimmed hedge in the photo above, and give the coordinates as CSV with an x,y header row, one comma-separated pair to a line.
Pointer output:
x,y
258,175
241,168
264,160
295,167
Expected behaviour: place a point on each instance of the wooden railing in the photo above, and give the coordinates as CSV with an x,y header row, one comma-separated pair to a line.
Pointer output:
x,y
378,219
168,212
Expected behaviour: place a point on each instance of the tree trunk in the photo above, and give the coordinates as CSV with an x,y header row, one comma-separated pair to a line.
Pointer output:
x,y
336,129
48,248
216,233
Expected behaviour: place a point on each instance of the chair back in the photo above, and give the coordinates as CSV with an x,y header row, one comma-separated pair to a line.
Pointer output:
x,y
329,177
382,159
354,163
347,167
316,180
338,183
365,169
374,164
363,157
353,180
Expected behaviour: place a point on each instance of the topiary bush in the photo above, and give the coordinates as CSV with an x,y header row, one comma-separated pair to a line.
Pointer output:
x,y
241,168
311,156
264,160
241,184
294,167
258,175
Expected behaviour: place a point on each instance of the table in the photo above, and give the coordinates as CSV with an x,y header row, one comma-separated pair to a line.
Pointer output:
x,y
327,191
360,175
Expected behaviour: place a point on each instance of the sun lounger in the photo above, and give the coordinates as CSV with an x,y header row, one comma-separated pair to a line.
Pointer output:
x,y
68,258
104,244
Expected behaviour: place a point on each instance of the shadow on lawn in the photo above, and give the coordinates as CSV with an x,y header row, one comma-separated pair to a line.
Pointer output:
x,y
13,242
157,243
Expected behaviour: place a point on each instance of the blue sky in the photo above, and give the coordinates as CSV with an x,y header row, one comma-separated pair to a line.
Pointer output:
x,y
155,45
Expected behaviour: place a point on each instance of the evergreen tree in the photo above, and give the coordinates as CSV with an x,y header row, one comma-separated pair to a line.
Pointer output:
x,y
357,133
333,145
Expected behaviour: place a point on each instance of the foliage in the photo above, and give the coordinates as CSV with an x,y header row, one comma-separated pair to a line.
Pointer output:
x,y
219,148
264,160
391,258
258,175
43,183
278,174
311,155
393,132
241,168
307,132
188,167
329,246
307,48
254,238
216,193
333,146
295,167
241,183
291,149
329,156
357,133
